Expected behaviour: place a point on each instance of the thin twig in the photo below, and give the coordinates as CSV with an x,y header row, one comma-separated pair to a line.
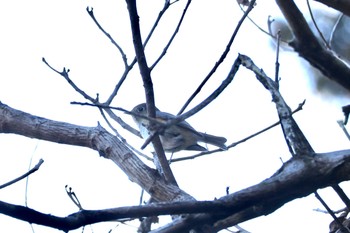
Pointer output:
x,y
120,82
156,22
300,107
344,229
221,59
65,74
342,126
334,28
316,26
334,211
172,37
73,197
27,180
129,68
113,116
34,169
277,64
91,13
255,24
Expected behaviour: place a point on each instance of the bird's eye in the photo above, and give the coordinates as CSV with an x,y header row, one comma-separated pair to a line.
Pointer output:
x,y
140,109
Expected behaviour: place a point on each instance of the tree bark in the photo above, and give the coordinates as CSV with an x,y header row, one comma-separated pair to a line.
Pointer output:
x,y
96,138
297,178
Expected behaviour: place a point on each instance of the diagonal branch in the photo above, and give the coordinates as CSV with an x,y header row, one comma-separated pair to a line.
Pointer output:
x,y
173,36
65,74
148,85
34,169
307,45
90,11
96,138
237,142
222,57
295,139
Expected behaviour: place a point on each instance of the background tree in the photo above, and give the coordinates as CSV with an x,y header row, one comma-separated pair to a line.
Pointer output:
x,y
300,176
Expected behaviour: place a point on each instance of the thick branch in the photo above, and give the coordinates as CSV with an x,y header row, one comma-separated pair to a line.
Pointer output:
x,y
340,5
306,44
297,178
295,139
97,138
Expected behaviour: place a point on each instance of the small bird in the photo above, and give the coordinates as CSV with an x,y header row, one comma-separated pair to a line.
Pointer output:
x,y
181,136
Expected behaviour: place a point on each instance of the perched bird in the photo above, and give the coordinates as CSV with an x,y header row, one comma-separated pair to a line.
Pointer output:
x,y
181,136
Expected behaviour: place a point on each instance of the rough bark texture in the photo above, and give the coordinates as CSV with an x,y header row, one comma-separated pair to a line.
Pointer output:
x,y
96,138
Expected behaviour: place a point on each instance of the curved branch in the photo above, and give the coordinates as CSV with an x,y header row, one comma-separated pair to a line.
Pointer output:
x,y
306,44
297,178
96,138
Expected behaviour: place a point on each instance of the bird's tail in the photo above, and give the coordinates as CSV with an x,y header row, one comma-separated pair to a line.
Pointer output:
x,y
214,140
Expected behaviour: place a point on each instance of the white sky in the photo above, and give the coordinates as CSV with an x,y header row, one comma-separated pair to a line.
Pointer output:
x,y
63,33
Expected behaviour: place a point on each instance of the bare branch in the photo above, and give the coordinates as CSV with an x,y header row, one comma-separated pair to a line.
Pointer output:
x,y
148,85
238,142
298,171
96,138
172,37
65,74
342,126
34,169
297,178
277,64
344,229
222,57
295,139
91,13
316,25
255,24
307,45
129,68
71,194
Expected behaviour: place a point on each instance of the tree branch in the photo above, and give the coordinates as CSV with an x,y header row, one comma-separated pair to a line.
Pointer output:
x,y
222,57
307,45
297,178
34,169
340,5
173,36
148,85
295,139
96,138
